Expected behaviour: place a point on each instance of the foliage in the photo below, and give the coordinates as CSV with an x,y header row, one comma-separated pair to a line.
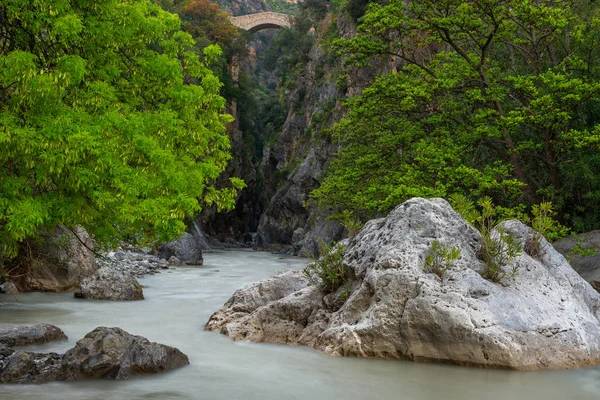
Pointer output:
x,y
498,248
354,8
350,223
282,6
328,270
289,51
579,250
108,120
544,223
317,8
485,98
205,18
440,258
545,226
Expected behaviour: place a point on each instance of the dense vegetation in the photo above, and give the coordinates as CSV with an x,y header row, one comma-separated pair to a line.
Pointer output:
x,y
111,112
109,119
491,98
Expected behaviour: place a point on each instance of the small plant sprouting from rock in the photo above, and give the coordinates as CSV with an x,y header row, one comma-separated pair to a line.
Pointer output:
x,y
498,248
353,227
579,250
465,208
328,270
345,293
544,226
440,258
544,223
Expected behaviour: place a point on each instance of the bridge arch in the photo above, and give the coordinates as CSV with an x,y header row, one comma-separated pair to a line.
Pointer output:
x,y
264,20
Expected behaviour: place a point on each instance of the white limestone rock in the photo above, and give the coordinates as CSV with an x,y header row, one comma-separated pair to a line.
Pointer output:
x,y
547,317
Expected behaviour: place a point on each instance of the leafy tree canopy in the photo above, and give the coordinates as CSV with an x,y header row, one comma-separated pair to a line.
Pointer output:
x,y
203,17
107,120
484,98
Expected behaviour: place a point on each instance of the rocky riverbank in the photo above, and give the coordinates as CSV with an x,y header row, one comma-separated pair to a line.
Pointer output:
x,y
138,263
63,269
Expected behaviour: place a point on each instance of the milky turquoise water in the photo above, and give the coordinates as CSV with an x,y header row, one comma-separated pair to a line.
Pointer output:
x,y
178,304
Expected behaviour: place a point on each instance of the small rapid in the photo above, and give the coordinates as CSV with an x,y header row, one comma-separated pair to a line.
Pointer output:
x,y
180,301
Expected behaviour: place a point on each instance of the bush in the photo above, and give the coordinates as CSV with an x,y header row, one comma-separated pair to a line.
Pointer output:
x,y
440,258
328,270
498,248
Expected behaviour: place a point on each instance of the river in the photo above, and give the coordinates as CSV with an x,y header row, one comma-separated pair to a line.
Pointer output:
x,y
178,304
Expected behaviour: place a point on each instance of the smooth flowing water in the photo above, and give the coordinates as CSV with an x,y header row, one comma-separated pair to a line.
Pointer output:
x,y
178,304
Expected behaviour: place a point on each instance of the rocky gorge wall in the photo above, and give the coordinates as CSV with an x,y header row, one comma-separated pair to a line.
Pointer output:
x,y
275,209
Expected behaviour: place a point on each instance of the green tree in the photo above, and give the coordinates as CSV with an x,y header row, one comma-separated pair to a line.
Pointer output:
x,y
108,120
492,97
205,18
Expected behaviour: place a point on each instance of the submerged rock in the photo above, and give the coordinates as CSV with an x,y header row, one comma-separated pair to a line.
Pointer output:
x,y
15,336
545,317
9,288
28,367
187,249
110,284
109,353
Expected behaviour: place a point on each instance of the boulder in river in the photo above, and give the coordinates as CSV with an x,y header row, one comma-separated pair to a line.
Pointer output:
x,y
109,353
586,261
110,284
14,336
29,367
174,261
8,288
186,249
115,354
545,317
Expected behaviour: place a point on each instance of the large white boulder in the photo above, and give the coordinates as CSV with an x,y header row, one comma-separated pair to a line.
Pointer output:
x,y
546,316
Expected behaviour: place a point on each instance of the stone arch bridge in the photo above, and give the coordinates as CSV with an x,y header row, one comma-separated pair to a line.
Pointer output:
x,y
264,20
